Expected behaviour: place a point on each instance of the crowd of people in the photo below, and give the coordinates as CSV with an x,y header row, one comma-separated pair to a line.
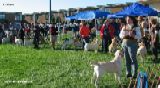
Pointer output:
x,y
129,31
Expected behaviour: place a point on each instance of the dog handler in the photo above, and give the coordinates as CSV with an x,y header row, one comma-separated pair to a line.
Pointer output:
x,y
84,33
130,34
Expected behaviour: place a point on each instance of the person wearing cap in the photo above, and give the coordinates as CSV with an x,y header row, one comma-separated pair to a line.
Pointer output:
x,y
130,34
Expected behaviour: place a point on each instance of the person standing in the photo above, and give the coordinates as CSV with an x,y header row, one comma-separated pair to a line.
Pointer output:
x,y
53,35
143,24
36,36
21,34
84,33
106,34
130,34
154,38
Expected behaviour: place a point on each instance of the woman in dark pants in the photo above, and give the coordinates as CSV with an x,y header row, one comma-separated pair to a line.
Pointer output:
x,y
130,33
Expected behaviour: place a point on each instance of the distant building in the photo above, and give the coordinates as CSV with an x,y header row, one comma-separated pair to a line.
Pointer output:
x,y
43,17
28,18
10,16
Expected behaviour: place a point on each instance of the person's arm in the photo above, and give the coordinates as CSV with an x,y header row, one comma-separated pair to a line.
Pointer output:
x,y
121,34
80,30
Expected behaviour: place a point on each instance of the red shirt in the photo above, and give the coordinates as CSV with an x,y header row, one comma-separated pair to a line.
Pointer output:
x,y
27,30
110,29
53,30
84,31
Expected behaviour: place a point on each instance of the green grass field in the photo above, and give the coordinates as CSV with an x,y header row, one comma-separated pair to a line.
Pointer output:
x,y
47,68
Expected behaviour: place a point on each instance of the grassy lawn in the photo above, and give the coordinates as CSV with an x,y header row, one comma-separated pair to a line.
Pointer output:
x,y
47,68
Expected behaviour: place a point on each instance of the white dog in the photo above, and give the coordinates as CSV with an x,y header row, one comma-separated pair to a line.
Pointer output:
x,y
18,41
142,51
113,66
28,42
92,46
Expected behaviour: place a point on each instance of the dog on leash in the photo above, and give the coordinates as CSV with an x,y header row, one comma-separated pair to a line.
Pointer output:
x,y
92,46
113,66
142,51
113,46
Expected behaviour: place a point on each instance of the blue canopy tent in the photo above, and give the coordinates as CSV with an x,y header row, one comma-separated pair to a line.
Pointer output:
x,y
137,9
90,15
70,18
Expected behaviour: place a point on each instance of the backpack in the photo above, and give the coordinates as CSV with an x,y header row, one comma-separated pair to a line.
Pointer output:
x,y
142,80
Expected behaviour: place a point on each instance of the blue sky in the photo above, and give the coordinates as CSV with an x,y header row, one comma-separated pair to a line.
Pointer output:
x,y
29,6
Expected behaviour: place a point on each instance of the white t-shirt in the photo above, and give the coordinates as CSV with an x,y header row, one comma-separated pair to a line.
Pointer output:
x,y
127,32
